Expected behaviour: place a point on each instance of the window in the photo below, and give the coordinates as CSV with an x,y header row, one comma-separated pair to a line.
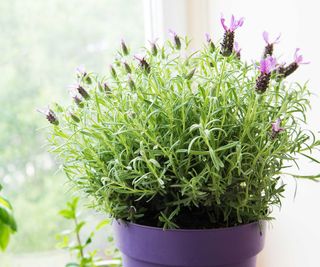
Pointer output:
x,y
42,42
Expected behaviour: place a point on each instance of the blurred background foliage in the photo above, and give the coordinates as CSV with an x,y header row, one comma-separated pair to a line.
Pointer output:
x,y
41,44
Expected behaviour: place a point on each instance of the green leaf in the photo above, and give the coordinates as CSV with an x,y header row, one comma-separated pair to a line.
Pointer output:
x,y
5,233
102,224
79,226
68,214
6,217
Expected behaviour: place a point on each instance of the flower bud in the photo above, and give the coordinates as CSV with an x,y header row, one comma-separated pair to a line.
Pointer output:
x,y
127,67
50,115
131,82
211,45
190,74
106,88
113,72
83,75
83,92
78,101
52,118
143,64
124,48
154,49
176,39
74,117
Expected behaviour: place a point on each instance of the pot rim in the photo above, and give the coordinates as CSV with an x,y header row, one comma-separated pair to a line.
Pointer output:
x,y
153,228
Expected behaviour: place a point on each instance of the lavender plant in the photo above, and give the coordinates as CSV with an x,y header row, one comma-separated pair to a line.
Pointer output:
x,y
176,141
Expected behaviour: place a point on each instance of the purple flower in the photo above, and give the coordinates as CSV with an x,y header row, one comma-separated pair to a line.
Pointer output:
x,y
268,50
285,71
228,38
299,58
234,24
77,88
267,40
176,39
143,63
267,65
50,115
276,128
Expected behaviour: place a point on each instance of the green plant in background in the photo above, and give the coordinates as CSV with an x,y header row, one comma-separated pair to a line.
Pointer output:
x,y
185,141
72,239
78,246
8,224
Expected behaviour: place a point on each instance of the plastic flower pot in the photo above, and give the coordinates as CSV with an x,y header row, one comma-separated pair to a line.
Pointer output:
x,y
144,246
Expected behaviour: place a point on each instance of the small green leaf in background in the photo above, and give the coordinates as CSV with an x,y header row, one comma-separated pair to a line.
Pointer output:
x,y
8,224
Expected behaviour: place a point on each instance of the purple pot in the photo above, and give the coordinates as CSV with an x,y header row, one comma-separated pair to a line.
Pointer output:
x,y
144,246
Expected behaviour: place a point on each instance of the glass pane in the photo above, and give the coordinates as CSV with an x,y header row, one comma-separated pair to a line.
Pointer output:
x,y
42,42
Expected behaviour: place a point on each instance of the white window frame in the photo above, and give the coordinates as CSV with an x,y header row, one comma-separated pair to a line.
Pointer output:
x,y
186,17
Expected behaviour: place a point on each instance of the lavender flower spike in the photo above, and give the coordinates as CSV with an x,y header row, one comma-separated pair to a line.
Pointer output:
x,y
143,63
124,48
50,115
268,50
266,67
276,128
228,38
284,72
78,101
176,39
154,48
83,92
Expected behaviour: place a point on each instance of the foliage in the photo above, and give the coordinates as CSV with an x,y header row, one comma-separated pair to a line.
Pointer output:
x,y
8,224
183,141
85,259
